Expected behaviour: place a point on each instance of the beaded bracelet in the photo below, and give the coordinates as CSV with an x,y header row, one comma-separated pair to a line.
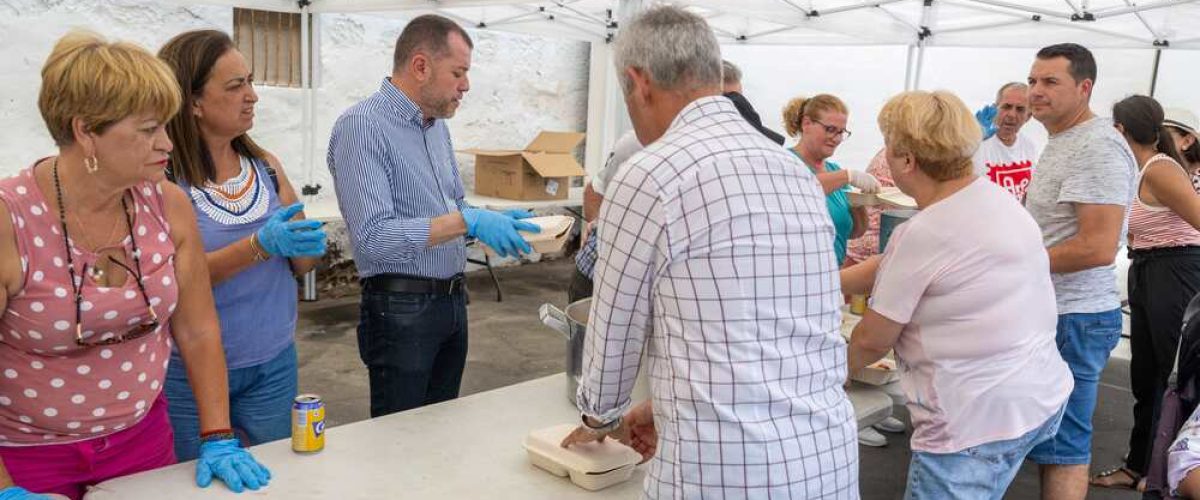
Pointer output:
x,y
217,435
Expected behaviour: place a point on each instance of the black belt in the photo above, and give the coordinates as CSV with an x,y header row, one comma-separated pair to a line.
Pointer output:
x,y
1152,253
400,283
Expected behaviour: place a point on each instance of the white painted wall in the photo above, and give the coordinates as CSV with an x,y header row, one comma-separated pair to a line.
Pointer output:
x,y
520,84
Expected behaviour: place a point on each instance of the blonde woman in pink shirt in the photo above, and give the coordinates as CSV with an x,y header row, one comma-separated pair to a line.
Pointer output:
x,y
102,270
969,309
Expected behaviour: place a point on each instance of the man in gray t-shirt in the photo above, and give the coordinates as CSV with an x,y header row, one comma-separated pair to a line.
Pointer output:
x,y
1080,197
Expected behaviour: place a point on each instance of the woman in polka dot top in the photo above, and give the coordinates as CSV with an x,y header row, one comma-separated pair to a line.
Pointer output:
x,y
102,269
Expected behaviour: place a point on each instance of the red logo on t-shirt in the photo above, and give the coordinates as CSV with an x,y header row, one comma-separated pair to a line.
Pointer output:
x,y
1014,177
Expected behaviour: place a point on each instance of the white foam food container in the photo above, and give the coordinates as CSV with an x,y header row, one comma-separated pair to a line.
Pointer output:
x,y
555,231
591,466
888,197
881,372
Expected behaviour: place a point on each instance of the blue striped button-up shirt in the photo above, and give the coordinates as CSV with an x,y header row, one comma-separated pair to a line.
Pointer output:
x,y
394,171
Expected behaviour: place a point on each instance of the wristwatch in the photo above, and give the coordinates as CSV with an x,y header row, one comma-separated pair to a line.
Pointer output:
x,y
606,428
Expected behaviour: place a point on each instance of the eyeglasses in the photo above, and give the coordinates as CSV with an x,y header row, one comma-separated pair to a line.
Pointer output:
x,y
141,330
137,332
832,130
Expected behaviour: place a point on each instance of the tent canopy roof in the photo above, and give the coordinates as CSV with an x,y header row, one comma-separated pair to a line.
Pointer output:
x,y
991,23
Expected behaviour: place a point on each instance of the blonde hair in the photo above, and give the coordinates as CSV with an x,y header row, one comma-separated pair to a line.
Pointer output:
x,y
102,83
800,107
936,128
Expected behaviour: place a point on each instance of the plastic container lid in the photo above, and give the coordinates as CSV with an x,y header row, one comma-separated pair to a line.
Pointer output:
x,y
585,458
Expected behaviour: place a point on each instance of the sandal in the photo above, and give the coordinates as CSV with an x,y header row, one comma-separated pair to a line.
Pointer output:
x,y
1121,478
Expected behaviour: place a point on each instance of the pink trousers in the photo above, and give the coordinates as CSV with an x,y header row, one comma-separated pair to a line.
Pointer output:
x,y
68,469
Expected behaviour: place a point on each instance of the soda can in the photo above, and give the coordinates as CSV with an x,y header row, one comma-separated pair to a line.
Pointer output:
x,y
308,424
858,304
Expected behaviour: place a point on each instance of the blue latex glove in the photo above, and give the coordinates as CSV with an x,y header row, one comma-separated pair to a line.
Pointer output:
x,y
518,213
498,231
287,238
228,461
19,493
986,116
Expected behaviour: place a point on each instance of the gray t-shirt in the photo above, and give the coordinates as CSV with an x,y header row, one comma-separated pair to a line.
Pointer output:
x,y
1090,164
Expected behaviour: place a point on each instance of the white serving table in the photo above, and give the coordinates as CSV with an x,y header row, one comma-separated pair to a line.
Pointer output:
x,y
574,199
465,448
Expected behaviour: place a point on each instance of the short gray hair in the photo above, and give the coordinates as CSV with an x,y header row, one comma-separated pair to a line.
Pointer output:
x,y
1010,85
730,73
675,47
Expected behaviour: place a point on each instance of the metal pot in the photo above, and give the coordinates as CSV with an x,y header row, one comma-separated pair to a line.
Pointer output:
x,y
888,221
572,323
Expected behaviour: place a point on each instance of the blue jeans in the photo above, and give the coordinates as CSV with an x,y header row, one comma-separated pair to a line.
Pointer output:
x,y
1084,341
260,403
414,346
976,473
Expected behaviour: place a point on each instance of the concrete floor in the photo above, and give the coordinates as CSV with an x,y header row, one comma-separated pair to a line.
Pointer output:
x,y
509,345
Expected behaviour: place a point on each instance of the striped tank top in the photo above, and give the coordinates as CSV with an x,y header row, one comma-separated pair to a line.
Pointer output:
x,y
1157,226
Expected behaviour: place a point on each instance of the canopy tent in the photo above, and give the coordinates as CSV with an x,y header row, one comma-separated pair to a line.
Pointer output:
x,y
912,26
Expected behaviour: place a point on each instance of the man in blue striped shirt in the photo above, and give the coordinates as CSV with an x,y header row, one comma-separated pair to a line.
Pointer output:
x,y
398,188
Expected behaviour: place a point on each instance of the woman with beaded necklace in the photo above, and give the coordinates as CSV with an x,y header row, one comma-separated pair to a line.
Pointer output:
x,y
102,268
244,205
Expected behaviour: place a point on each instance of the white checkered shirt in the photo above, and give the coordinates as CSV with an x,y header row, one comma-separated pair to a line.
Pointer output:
x,y
717,255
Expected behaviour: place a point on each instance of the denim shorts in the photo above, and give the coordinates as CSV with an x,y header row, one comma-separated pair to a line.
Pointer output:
x,y
976,473
260,403
1084,341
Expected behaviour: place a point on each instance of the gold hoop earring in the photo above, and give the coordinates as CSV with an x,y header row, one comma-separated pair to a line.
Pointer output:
x,y
91,164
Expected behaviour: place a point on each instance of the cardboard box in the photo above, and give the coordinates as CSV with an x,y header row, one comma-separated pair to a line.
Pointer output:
x,y
541,171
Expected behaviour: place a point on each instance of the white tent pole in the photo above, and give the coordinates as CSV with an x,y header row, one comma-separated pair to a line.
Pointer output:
x,y
980,6
510,19
604,94
1024,8
566,6
1140,8
793,5
920,65
748,36
602,103
468,23
1145,23
307,134
848,8
982,27
901,20
908,67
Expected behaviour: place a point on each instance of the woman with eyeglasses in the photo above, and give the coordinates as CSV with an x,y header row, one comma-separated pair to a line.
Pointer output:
x,y
819,123
103,271
244,205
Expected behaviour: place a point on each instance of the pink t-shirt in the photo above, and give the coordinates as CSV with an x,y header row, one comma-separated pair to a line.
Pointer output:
x,y
52,390
970,280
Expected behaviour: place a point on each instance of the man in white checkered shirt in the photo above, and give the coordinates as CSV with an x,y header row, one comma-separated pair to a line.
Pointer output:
x,y
716,256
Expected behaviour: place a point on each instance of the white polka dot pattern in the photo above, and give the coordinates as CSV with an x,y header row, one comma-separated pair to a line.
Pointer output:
x,y
64,391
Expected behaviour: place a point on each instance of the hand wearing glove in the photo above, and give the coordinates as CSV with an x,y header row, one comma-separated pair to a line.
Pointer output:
x,y
518,213
865,182
228,461
498,231
986,116
19,493
287,238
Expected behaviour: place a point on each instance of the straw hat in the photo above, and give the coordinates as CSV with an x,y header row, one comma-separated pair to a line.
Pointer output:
x,y
1183,120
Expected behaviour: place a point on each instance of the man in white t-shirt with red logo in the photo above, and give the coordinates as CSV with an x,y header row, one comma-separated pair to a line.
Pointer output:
x,y
1008,157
